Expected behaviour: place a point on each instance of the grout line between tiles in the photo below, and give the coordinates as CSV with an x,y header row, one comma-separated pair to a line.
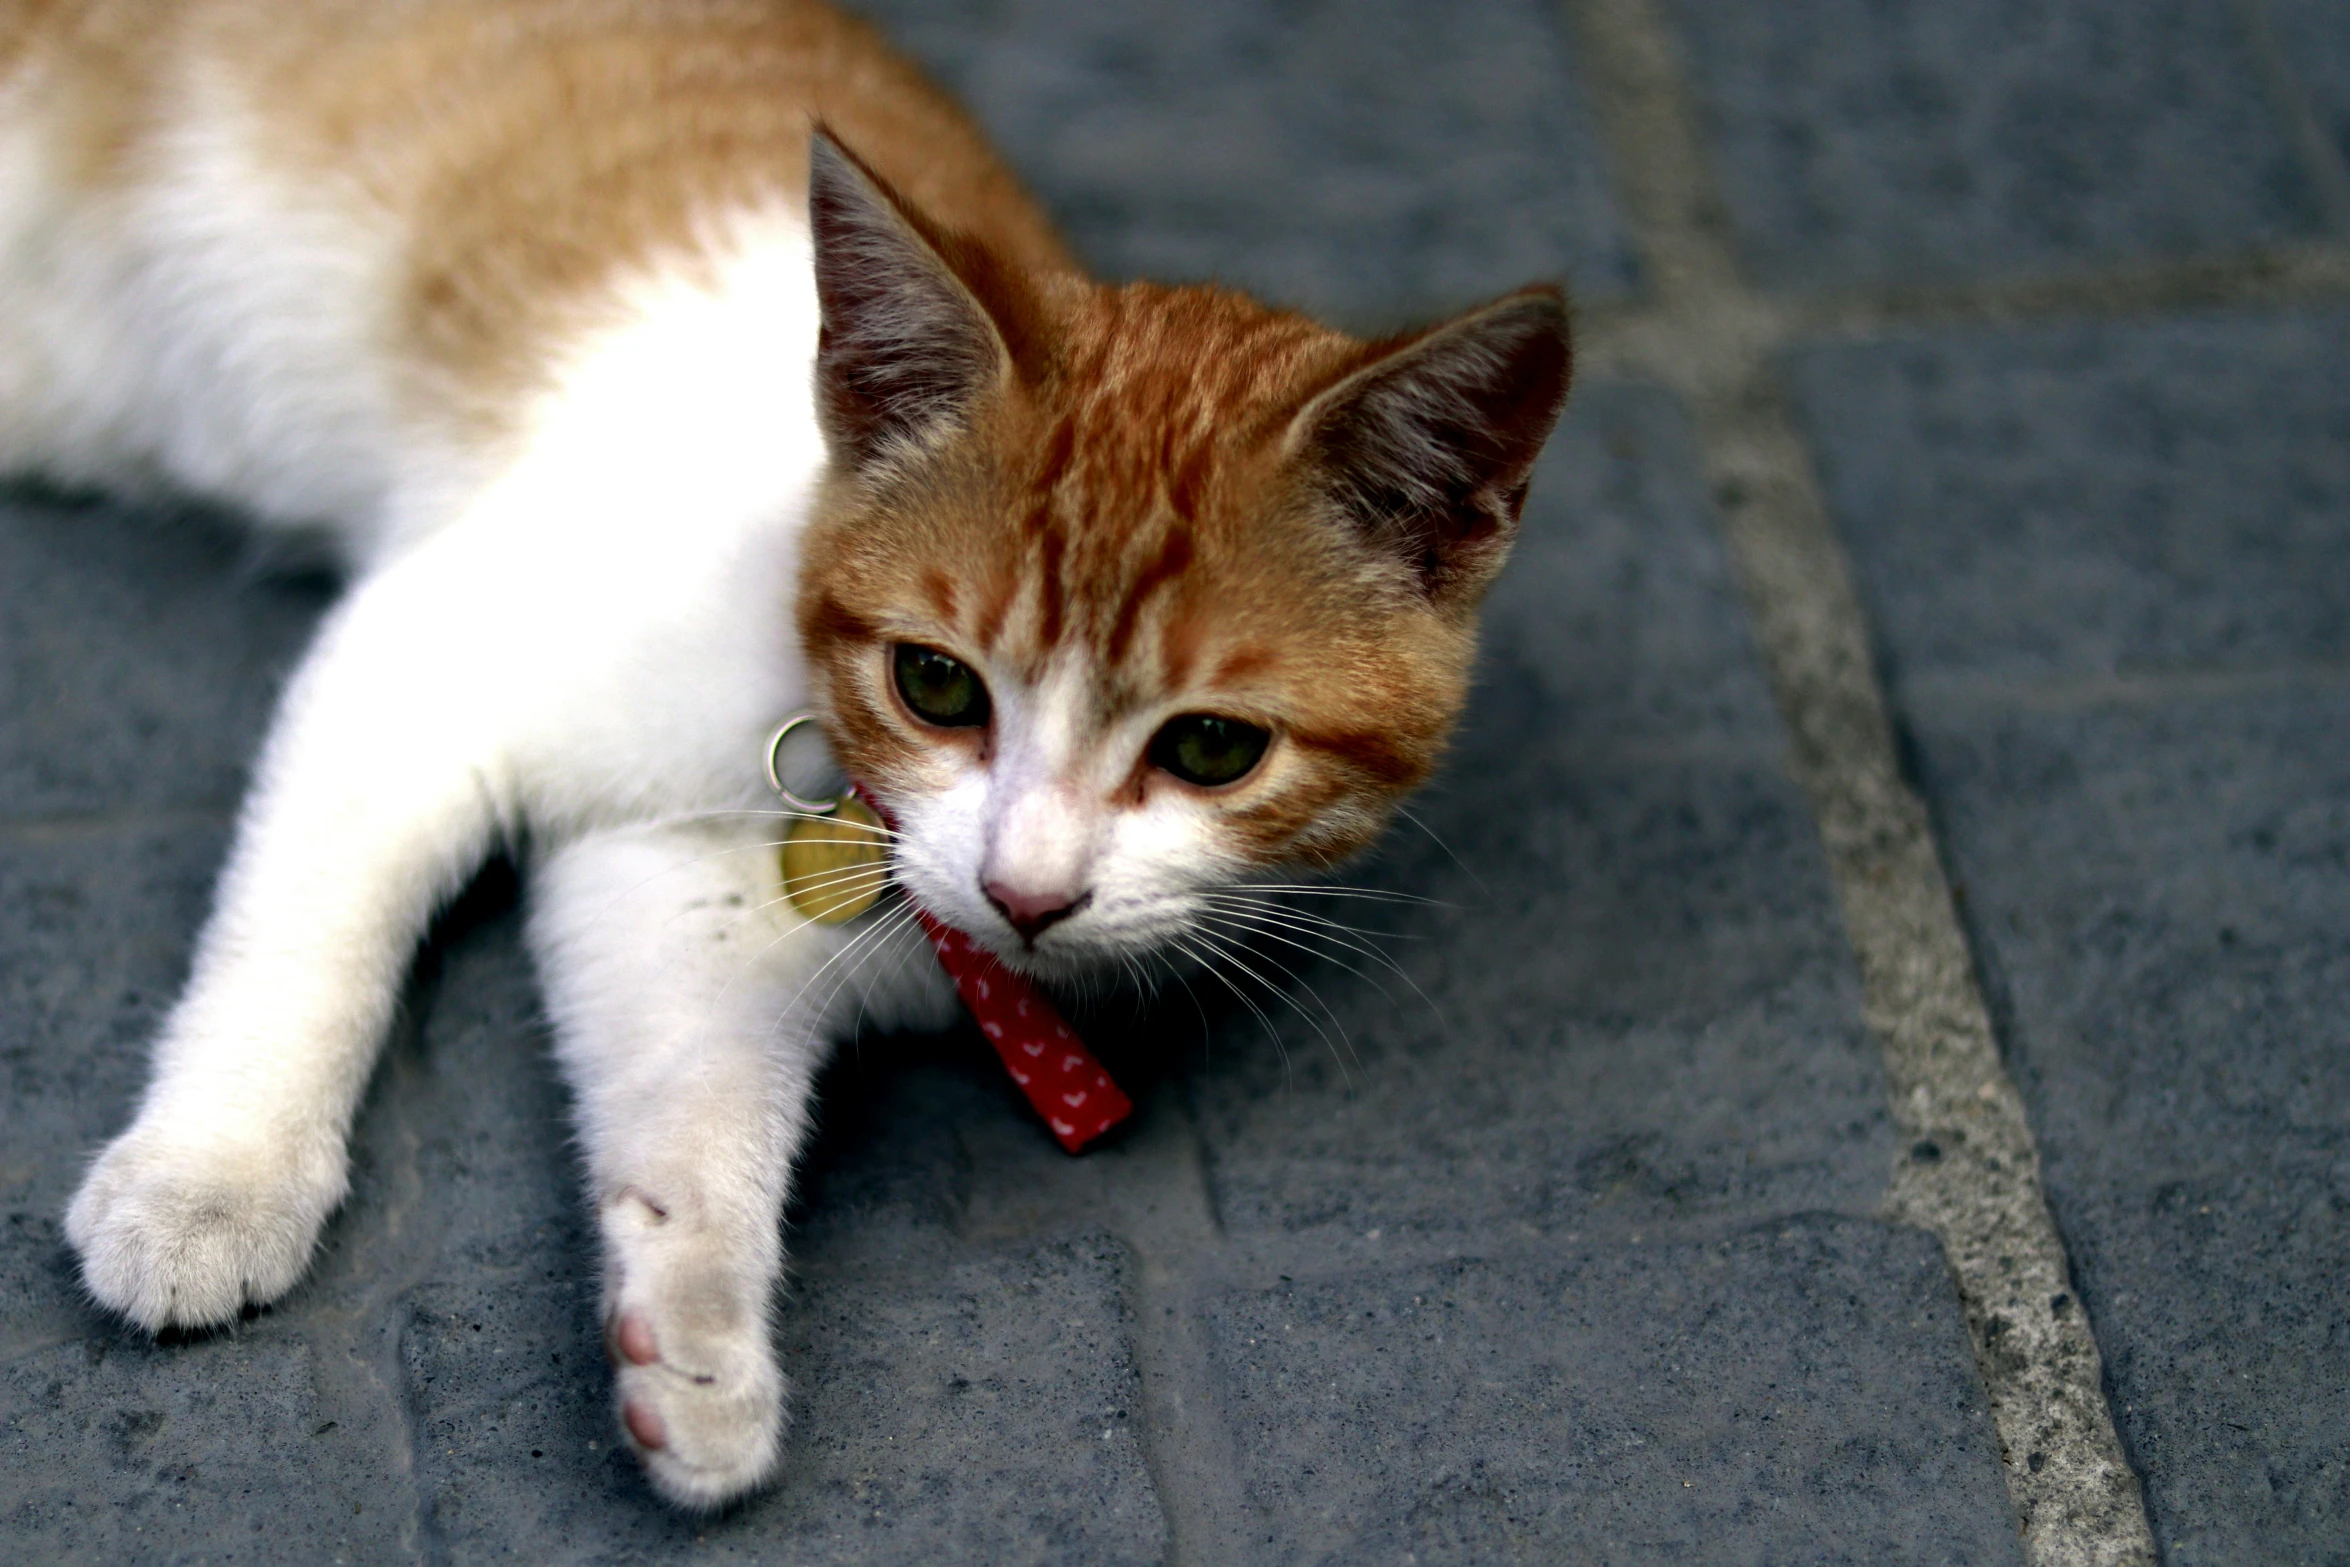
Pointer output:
x,y
1971,1173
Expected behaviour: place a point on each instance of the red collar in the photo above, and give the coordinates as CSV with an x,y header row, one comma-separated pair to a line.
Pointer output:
x,y
1068,1087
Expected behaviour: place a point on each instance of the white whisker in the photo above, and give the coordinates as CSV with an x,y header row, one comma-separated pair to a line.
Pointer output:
x,y
1327,890
1232,953
689,818
1272,1033
1243,927
1408,815
1205,1033
872,935
1307,916
1306,924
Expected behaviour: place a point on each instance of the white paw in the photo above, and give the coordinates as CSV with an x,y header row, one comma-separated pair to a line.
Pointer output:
x,y
696,1384
706,1417
179,1229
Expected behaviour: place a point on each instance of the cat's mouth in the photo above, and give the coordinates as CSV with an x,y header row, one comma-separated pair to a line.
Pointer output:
x,y
1079,943
1118,938
1063,951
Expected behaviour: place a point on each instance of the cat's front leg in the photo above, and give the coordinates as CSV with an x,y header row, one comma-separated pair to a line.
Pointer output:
x,y
373,800
692,1011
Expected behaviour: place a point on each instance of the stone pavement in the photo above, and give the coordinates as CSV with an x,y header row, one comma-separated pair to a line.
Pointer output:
x,y
1873,1083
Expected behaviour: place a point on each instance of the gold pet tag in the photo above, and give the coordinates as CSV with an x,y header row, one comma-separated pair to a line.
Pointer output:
x,y
832,865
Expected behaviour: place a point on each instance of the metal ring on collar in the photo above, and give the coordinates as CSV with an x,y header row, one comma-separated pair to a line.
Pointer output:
x,y
775,770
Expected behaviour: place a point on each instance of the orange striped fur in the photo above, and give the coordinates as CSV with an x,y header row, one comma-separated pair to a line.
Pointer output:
x,y
529,153
1133,495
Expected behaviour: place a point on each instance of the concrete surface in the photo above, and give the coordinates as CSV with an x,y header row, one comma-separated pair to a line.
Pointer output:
x,y
1590,1230
1863,141
2112,565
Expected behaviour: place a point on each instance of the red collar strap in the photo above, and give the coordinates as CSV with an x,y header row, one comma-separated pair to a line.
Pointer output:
x,y
1059,1075
1068,1087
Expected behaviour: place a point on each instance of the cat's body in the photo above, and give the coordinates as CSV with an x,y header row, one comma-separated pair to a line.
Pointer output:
x,y
522,303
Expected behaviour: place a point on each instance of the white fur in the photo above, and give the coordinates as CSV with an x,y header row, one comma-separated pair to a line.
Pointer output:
x,y
148,335
580,635
575,642
687,1004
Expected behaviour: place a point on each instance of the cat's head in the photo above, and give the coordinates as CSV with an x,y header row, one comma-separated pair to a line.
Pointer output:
x,y
1116,597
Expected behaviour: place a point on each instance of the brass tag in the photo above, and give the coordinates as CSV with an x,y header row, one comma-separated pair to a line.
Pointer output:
x,y
834,867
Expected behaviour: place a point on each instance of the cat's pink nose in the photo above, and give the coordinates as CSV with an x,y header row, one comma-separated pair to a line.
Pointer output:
x,y
1032,913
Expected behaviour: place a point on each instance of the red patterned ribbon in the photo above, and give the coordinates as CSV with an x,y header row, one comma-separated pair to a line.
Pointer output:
x,y
1059,1075
1068,1087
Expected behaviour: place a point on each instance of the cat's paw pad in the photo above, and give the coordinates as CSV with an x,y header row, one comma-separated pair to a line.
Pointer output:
x,y
181,1232
704,1412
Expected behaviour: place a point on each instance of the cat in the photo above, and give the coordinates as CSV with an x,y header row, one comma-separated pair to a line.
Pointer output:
x,y
657,369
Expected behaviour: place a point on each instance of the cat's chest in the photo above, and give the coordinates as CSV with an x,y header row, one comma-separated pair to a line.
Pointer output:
x,y
647,534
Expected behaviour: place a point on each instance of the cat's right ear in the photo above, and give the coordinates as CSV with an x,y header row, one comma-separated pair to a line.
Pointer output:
x,y
905,345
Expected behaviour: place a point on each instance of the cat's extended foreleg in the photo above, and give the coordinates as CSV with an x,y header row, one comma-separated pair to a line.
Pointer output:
x,y
692,1011
374,798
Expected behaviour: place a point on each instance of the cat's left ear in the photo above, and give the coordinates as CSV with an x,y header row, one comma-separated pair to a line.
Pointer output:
x,y
906,345
1428,448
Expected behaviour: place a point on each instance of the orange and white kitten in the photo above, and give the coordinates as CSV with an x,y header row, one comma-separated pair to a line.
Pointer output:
x,y
643,417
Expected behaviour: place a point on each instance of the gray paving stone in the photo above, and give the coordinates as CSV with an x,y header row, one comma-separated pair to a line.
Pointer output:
x,y
992,1412
1643,1016
987,1413
2073,502
94,930
116,1451
1901,141
1642,1404
1634,1002
892,1170
2315,38
1616,628
1375,158
985,1410
2156,867
2161,893
151,692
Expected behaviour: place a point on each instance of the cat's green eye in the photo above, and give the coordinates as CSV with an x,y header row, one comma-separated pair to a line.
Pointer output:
x,y
940,689
1203,749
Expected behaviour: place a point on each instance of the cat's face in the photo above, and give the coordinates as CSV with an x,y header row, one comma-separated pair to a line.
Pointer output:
x,y
1118,598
